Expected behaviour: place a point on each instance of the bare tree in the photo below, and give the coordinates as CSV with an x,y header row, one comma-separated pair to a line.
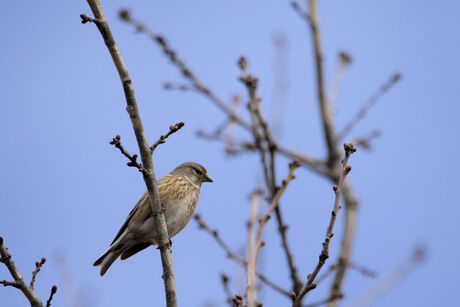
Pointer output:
x,y
261,141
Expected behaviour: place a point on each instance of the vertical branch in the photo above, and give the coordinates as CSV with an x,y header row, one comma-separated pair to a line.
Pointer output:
x,y
326,119
251,267
351,215
344,61
263,221
324,255
144,149
261,133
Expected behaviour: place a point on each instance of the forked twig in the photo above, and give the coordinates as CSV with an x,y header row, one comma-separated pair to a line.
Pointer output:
x,y
18,282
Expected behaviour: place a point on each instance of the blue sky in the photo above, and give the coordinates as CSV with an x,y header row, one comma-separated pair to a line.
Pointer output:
x,y
65,191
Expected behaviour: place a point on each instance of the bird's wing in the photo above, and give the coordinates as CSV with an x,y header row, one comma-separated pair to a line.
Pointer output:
x,y
130,216
163,181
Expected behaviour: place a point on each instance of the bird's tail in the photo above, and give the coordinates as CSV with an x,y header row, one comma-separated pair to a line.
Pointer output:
x,y
106,260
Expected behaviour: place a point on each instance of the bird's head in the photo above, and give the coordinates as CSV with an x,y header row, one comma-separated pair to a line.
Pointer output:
x,y
193,171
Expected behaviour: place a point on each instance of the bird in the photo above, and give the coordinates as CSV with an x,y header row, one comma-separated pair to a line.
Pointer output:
x,y
178,191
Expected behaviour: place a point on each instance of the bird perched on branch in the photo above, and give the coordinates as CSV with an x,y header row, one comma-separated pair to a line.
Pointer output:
x,y
178,193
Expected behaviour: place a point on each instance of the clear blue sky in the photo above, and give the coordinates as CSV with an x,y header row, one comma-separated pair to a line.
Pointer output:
x,y
65,191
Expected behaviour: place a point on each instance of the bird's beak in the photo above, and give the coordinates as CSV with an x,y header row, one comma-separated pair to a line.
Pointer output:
x,y
207,179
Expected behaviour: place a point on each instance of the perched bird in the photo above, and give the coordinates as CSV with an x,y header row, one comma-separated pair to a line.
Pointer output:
x,y
178,192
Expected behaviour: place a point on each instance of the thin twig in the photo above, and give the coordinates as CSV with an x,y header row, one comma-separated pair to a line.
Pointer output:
x,y
252,301
38,266
18,280
177,87
368,105
344,61
304,15
230,128
225,280
366,140
232,255
53,291
132,159
145,152
349,229
172,129
6,283
309,285
362,269
357,267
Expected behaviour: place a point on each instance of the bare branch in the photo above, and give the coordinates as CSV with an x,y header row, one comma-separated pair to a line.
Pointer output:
x,y
125,15
267,147
254,200
161,140
368,105
18,280
344,60
6,283
309,285
349,229
145,152
38,266
326,118
252,261
53,291
177,87
304,15
232,255
132,159
225,279
366,140
362,269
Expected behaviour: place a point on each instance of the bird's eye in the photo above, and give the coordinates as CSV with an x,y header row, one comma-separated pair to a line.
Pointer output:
x,y
198,172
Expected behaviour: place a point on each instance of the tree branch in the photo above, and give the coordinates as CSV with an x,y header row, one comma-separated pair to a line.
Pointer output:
x,y
252,258
19,282
309,285
145,152
53,292
254,200
172,129
132,159
368,105
232,255
262,134
38,266
125,15
326,119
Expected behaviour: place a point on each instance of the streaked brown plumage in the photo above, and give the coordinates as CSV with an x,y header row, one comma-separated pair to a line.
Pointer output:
x,y
179,191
